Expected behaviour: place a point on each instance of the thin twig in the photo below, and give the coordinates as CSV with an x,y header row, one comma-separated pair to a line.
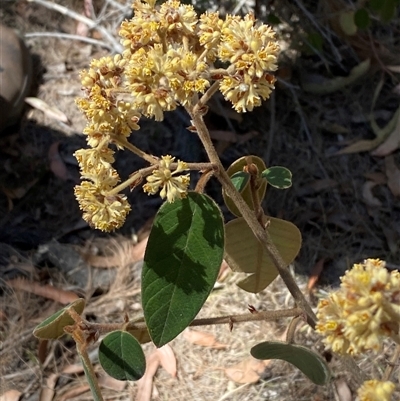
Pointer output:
x,y
262,235
116,46
266,316
68,36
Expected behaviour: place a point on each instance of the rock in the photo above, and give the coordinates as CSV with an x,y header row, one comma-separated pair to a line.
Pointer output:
x,y
15,76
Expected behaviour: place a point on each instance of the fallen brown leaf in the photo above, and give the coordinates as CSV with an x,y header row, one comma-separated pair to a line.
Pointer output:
x,y
111,383
11,395
247,371
57,165
315,273
73,369
49,111
392,238
368,196
203,339
393,175
391,143
145,384
74,392
224,271
45,291
48,390
167,359
135,252
343,390
376,177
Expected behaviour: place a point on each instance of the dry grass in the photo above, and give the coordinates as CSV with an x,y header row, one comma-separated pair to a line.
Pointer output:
x,y
326,203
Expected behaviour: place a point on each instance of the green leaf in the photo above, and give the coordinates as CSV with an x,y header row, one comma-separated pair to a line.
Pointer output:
x,y
388,10
310,363
53,326
335,84
181,264
278,177
272,19
346,22
240,180
362,19
376,5
121,356
238,166
315,41
244,253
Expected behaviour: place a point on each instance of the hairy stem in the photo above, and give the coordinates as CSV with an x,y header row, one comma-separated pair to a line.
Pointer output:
x,y
262,235
103,328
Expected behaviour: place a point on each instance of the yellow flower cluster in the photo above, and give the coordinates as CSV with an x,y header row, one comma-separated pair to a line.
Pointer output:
x,y
172,187
375,390
365,309
170,55
168,60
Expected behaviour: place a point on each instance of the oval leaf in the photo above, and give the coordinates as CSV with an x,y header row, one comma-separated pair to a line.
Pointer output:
x,y
278,177
310,363
121,356
240,180
244,253
388,10
53,326
238,167
362,19
181,264
346,21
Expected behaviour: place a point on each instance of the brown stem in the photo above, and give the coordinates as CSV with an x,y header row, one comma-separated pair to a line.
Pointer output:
x,y
262,235
124,142
256,200
292,329
201,184
103,328
207,96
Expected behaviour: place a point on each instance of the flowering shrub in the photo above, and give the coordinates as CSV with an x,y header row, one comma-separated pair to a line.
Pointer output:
x,y
168,61
174,58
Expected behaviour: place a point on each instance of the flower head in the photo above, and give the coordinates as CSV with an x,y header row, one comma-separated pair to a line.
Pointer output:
x,y
375,390
100,209
250,48
172,187
366,308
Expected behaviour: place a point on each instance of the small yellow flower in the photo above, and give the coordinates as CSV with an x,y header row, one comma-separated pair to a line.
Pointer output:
x,y
101,210
149,77
177,18
245,92
172,187
210,33
366,308
375,390
89,159
252,49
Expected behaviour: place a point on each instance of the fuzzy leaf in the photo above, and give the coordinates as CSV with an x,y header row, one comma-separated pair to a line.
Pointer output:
x,y
121,356
362,19
53,326
181,264
240,180
278,177
310,363
238,166
244,253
